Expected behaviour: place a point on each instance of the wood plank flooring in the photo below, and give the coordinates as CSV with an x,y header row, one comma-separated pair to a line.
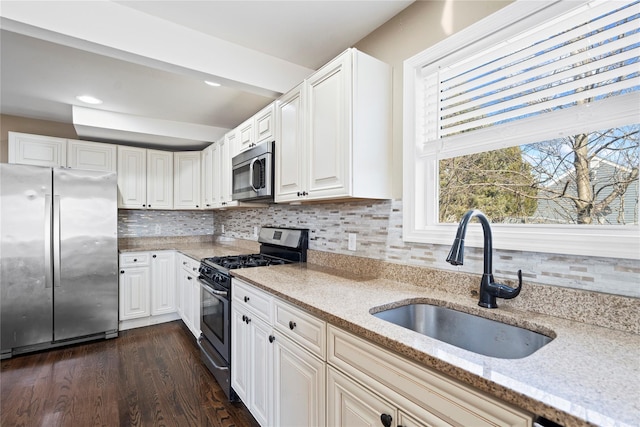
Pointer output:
x,y
149,376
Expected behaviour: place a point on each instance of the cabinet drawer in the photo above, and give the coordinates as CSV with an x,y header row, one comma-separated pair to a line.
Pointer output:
x,y
301,327
189,264
134,259
414,386
252,299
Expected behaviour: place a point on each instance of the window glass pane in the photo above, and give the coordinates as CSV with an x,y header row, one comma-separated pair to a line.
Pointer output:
x,y
581,179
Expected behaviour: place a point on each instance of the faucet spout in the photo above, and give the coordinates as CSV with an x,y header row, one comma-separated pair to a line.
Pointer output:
x,y
489,290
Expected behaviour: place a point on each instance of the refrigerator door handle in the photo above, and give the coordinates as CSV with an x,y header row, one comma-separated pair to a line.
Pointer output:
x,y
48,277
56,240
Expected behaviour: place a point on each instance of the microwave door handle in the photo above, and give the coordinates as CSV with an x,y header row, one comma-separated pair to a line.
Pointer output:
x,y
251,174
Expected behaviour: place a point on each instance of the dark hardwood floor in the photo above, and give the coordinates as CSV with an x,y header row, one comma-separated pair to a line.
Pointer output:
x,y
146,377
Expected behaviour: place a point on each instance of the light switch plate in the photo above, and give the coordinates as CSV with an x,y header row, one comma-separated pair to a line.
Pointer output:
x,y
352,242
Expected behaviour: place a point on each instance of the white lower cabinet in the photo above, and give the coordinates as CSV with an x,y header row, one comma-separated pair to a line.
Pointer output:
x,y
351,404
299,385
383,382
279,380
188,293
163,286
147,288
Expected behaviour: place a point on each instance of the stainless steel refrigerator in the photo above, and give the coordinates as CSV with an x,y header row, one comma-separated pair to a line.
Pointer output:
x,y
58,257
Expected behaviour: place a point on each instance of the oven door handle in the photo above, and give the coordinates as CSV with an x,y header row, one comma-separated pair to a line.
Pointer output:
x,y
213,292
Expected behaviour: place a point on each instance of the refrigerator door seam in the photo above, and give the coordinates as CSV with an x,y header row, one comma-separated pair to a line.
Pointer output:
x,y
56,241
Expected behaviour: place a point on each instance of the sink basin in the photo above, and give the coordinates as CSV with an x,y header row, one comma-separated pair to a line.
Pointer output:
x,y
467,331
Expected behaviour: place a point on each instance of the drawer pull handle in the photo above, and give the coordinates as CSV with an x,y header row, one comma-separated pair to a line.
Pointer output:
x,y
246,299
292,325
386,420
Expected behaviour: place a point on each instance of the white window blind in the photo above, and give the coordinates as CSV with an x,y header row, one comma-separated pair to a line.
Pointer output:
x,y
589,54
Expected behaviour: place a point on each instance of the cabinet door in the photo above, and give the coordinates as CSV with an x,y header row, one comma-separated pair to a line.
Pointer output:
x,y
186,180
260,361
132,177
37,150
216,150
328,105
299,386
91,155
134,293
290,148
240,354
225,168
207,171
264,124
245,137
352,405
159,179
187,301
196,305
163,287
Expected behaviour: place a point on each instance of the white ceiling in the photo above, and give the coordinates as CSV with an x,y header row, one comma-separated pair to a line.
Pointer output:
x,y
147,60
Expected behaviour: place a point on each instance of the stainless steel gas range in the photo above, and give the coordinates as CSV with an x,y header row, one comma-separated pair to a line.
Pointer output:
x,y
277,246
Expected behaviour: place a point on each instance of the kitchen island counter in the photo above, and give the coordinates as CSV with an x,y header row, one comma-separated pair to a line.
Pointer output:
x,y
586,375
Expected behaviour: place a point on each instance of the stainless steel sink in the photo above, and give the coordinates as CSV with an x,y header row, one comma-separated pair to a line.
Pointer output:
x,y
467,331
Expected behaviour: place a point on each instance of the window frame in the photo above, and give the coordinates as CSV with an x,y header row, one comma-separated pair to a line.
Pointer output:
x,y
420,176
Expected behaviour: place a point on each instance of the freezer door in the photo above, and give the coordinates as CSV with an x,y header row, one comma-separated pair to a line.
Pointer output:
x,y
85,216
25,256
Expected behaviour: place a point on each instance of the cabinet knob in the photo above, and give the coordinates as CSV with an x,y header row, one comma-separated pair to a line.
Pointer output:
x,y
246,299
121,271
386,420
244,318
144,206
135,260
292,325
154,256
271,338
184,262
189,278
149,206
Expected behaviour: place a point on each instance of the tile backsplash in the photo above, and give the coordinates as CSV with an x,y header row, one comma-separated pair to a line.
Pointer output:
x,y
378,225
154,223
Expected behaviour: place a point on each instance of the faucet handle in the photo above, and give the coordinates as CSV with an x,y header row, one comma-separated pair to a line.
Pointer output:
x,y
506,292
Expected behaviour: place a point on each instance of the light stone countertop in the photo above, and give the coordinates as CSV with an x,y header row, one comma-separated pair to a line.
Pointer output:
x,y
586,375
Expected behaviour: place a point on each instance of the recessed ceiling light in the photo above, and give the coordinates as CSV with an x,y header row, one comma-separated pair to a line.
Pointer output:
x,y
210,83
88,99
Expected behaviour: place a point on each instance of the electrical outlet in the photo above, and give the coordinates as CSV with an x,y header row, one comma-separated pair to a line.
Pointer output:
x,y
255,231
222,229
352,241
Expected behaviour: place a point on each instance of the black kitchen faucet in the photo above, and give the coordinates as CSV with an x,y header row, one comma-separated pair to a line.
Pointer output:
x,y
489,290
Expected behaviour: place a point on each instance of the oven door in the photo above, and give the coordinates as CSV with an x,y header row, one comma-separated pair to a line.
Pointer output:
x,y
215,322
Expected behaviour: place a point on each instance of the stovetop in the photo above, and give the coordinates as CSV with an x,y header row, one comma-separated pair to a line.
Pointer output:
x,y
232,262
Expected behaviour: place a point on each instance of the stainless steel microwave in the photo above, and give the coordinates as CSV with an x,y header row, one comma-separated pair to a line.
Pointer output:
x,y
252,174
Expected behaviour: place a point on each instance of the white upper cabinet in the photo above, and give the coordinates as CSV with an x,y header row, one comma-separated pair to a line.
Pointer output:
x,y
132,177
159,179
37,150
145,178
264,123
256,130
186,180
345,147
208,174
91,155
290,153
40,150
245,136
